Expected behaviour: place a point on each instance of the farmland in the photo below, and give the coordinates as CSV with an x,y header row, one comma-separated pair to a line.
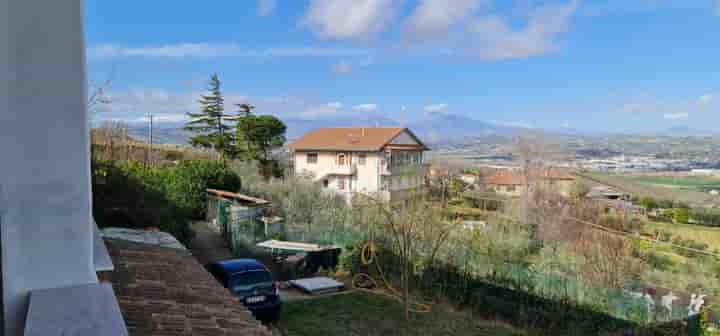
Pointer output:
x,y
682,188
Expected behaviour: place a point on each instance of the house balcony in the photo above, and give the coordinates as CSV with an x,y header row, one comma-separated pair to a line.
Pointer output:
x,y
343,170
417,169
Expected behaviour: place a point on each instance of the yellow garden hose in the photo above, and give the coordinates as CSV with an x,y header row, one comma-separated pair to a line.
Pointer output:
x,y
367,257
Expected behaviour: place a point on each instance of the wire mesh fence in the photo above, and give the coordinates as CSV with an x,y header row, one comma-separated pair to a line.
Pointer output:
x,y
469,275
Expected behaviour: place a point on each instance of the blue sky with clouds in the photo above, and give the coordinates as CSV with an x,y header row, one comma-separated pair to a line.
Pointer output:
x,y
630,65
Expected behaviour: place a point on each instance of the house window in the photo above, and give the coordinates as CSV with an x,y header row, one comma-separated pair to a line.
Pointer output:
x,y
341,183
326,183
341,159
312,158
362,158
510,188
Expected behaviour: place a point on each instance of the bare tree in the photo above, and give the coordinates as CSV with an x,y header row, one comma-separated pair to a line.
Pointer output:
x,y
607,258
416,233
112,135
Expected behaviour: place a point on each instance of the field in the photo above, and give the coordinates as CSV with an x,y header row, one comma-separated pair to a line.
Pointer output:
x,y
707,235
686,189
361,313
698,183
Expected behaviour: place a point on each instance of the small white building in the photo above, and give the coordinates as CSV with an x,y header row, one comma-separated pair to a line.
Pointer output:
x,y
383,162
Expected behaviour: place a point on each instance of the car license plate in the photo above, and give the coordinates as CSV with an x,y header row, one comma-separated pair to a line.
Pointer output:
x,y
255,299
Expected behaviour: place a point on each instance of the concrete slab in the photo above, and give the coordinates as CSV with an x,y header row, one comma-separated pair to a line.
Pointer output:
x,y
317,285
86,310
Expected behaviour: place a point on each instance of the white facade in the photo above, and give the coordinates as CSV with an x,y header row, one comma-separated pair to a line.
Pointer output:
x,y
47,233
370,173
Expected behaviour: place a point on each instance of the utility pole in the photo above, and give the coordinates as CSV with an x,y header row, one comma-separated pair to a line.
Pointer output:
x,y
148,159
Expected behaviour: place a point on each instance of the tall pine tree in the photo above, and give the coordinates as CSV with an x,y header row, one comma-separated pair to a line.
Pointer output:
x,y
213,127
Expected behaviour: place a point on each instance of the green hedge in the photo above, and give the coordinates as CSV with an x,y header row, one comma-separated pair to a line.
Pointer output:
x,y
128,194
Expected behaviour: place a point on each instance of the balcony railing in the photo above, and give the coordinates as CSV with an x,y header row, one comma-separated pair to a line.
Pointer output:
x,y
344,169
413,169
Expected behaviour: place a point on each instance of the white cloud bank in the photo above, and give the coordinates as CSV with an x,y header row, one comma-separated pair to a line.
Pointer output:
x,y
436,17
209,50
436,108
266,7
349,19
676,115
494,38
366,107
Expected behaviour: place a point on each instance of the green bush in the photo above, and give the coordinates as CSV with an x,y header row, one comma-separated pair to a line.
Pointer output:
x,y
128,194
659,261
186,183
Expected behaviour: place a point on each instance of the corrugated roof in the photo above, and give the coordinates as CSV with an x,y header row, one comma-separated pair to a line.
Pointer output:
x,y
350,138
163,292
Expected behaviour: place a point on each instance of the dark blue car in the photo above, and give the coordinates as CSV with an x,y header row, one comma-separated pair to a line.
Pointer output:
x,y
252,282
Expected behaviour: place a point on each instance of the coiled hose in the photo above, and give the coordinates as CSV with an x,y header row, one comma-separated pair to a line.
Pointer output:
x,y
368,256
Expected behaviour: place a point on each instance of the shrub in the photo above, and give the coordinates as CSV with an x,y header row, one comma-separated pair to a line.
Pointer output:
x,y
186,183
131,195
659,261
681,215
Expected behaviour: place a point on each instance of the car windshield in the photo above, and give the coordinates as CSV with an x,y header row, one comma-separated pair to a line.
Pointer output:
x,y
247,280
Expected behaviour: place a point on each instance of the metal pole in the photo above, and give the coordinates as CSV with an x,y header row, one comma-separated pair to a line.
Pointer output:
x,y
148,151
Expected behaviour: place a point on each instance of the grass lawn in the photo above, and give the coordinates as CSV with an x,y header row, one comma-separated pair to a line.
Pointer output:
x,y
361,313
707,235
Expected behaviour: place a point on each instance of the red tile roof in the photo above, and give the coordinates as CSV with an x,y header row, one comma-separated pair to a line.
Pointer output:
x,y
350,138
165,292
517,177
506,177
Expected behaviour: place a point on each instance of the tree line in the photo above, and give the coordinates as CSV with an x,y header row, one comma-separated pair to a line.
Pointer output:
x,y
240,135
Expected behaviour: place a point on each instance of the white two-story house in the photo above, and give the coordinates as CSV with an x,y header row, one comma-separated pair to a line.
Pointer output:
x,y
383,162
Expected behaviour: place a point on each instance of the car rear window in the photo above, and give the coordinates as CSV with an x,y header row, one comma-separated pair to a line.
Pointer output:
x,y
250,279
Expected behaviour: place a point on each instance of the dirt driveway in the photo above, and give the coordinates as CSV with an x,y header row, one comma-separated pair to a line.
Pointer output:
x,y
208,246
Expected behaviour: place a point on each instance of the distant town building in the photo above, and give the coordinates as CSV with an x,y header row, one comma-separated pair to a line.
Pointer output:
x,y
516,183
384,162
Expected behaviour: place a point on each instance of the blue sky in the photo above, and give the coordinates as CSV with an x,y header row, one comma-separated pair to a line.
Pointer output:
x,y
631,65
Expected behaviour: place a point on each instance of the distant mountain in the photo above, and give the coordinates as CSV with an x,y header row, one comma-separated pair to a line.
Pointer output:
x,y
685,131
296,127
434,129
443,127
163,132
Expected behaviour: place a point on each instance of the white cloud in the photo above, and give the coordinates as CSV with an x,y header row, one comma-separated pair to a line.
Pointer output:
x,y
436,108
336,105
349,19
266,7
323,110
519,124
705,99
495,38
366,107
676,115
135,104
342,68
436,17
207,50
